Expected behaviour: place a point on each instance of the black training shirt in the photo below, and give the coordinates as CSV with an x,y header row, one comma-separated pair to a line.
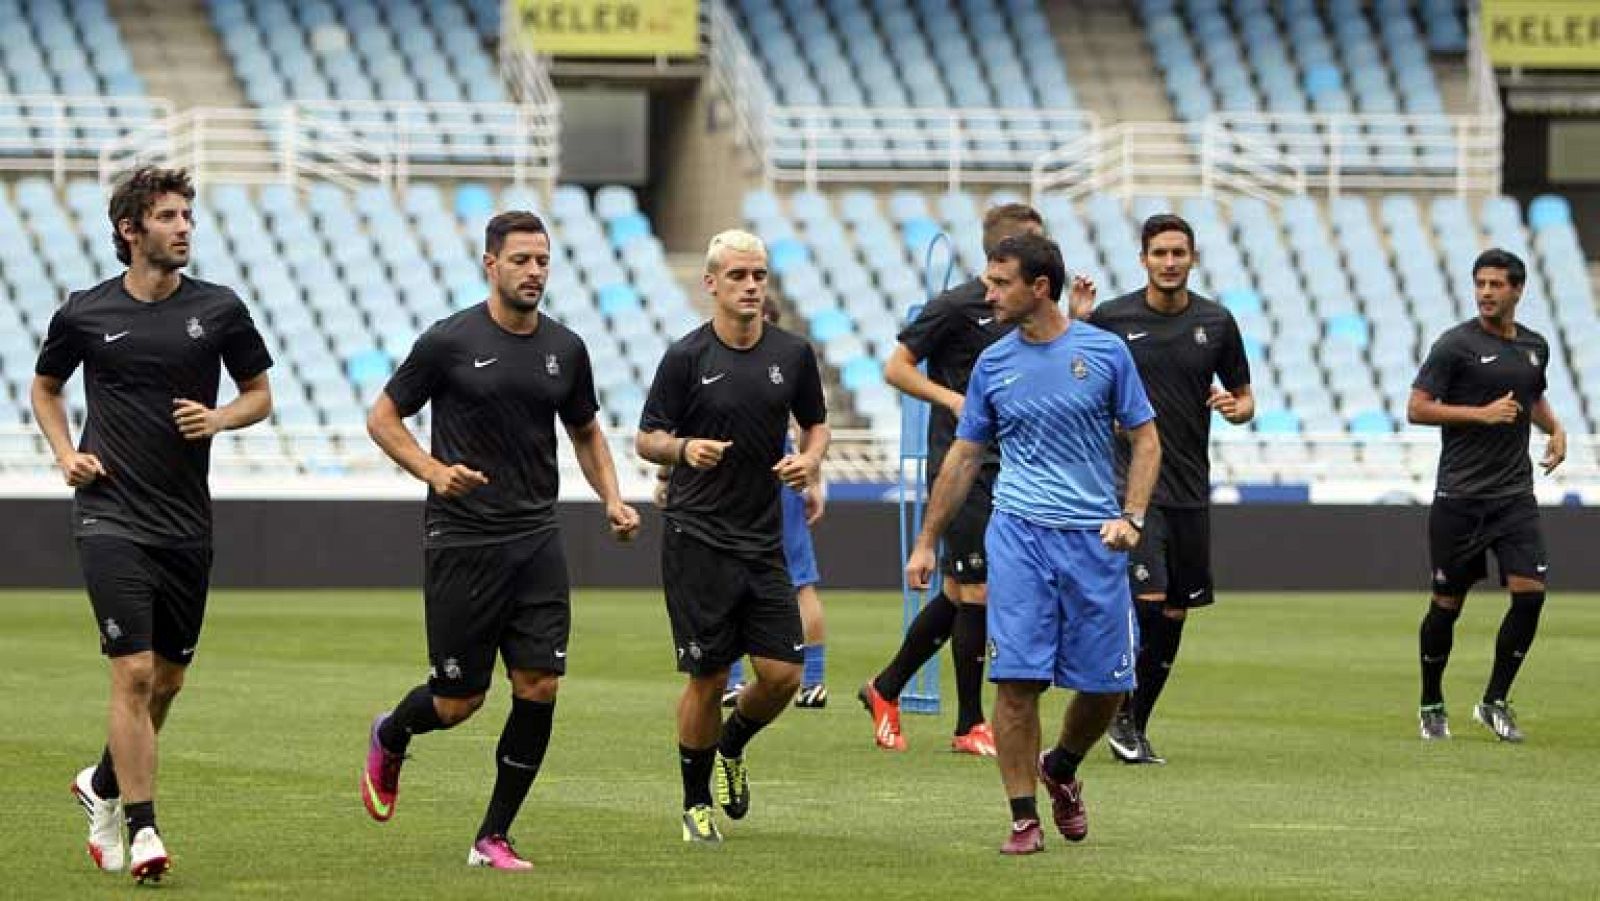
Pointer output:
x,y
137,359
1470,367
495,398
1177,356
950,332
706,389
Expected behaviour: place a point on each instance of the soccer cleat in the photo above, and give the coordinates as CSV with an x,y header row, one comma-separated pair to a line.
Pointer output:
x,y
698,825
1026,838
978,741
380,779
814,697
733,786
1147,754
106,823
1123,738
1499,719
1433,722
495,852
730,695
1066,805
885,718
149,860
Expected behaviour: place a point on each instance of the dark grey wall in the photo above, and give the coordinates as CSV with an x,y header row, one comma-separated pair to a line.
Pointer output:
x,y
288,544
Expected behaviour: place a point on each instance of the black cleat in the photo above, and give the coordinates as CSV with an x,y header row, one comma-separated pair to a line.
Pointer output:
x,y
1499,719
1123,737
814,697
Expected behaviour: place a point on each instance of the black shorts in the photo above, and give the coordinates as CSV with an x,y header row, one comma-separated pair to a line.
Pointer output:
x,y
146,598
511,597
723,606
1173,557
965,561
1462,532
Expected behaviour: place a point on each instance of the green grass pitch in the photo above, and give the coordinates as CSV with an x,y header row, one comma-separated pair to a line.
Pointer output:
x,y
1290,725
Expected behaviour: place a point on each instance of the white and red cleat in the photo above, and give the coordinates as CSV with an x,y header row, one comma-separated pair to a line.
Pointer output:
x,y
105,823
149,857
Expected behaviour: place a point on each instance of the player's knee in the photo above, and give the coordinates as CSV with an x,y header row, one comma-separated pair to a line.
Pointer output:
x,y
1527,601
1451,603
133,677
456,710
535,686
1175,613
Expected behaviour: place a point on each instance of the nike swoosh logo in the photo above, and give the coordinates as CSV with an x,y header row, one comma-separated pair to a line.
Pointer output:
x,y
1488,359
479,364
1007,381
378,807
1134,336
116,337
1542,567
799,647
1195,594
983,322
708,379
516,765
561,655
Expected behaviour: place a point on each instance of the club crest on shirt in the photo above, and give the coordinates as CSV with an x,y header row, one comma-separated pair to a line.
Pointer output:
x,y
1200,335
776,374
552,365
195,329
1080,369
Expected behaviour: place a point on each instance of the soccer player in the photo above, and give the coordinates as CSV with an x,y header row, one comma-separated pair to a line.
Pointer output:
x,y
801,511
498,374
152,343
950,332
718,412
1060,610
1483,383
1181,342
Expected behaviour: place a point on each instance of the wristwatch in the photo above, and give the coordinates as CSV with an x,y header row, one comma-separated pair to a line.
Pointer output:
x,y
1136,521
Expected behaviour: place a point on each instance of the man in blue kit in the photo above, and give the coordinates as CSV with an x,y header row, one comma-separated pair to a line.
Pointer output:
x,y
1052,392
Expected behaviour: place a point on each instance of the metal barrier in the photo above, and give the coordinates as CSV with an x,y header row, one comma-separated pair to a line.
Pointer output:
x,y
1161,158
64,134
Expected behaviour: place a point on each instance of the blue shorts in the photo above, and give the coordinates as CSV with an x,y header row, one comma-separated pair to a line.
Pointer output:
x,y
797,550
1059,607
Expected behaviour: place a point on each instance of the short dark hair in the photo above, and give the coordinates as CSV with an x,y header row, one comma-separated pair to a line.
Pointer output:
x,y
1499,258
1007,219
494,234
1164,222
1036,255
136,195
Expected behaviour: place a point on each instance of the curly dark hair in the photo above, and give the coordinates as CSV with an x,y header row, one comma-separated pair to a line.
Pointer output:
x,y
136,195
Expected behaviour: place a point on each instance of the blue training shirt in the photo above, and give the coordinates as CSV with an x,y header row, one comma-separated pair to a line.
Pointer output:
x,y
1052,407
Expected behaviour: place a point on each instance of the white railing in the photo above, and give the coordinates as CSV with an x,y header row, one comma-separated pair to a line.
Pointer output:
x,y
64,134
1159,158
347,143
341,461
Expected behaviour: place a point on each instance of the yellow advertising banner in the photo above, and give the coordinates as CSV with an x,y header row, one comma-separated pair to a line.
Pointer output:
x,y
1542,34
608,28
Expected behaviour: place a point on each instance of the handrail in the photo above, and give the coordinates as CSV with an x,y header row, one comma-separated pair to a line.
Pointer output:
x,y
61,134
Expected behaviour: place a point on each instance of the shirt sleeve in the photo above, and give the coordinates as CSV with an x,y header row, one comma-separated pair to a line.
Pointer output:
x,y
977,413
62,350
243,350
1132,404
924,333
1233,365
580,405
809,406
415,382
1437,370
669,396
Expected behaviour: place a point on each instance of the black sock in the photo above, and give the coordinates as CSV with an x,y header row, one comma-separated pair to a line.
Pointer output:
x,y
1434,641
516,759
695,765
925,636
104,780
414,715
737,730
1511,647
969,640
1158,650
1061,764
1025,808
140,816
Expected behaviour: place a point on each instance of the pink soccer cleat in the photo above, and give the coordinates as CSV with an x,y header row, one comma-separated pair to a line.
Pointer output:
x,y
380,780
496,853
